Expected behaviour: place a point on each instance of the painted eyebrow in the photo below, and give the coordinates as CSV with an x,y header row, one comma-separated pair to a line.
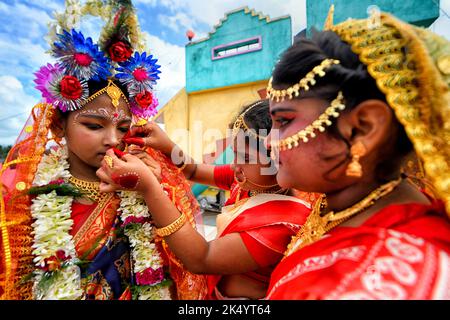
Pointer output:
x,y
102,117
282,109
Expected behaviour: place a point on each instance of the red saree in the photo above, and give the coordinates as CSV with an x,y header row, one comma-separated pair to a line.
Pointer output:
x,y
266,224
402,252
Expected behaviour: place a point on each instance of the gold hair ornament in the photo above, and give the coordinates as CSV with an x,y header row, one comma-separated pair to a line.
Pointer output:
x,y
408,64
241,124
304,83
113,91
309,132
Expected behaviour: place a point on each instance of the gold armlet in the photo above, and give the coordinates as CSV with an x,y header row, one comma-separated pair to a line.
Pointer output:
x,y
172,228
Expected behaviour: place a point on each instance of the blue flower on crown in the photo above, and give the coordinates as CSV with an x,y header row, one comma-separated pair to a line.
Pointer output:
x,y
80,57
139,73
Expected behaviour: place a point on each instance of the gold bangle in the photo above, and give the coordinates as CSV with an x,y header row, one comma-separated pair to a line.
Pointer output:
x,y
172,228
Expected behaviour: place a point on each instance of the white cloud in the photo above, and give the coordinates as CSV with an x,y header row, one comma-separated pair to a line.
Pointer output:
x,y
173,65
178,23
210,12
15,106
442,25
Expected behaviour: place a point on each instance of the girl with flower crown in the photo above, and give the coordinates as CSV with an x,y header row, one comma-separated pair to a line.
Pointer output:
x,y
61,238
253,228
353,105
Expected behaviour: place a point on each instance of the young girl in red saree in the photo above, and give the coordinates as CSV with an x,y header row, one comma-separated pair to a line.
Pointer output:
x,y
253,228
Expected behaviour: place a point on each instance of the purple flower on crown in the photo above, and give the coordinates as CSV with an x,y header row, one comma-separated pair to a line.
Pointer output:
x,y
144,105
139,73
80,57
65,92
44,76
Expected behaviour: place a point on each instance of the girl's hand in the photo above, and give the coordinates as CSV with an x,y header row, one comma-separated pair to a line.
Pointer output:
x,y
150,135
151,163
126,173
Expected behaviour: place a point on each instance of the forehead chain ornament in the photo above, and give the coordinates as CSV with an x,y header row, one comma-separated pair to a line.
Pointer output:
x,y
333,111
113,92
240,124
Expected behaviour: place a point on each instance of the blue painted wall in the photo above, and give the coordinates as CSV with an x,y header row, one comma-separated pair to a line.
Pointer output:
x,y
418,12
203,73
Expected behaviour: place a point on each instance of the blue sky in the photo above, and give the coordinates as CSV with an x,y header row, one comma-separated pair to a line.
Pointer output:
x,y
23,25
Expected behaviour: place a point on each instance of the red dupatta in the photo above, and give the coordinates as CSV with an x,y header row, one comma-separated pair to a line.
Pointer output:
x,y
270,220
402,252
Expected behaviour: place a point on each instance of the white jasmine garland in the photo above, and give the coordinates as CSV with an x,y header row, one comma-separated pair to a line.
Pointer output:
x,y
52,226
141,235
64,285
52,167
52,215
51,230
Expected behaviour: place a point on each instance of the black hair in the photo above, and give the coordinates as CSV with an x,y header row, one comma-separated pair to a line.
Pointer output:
x,y
349,76
257,118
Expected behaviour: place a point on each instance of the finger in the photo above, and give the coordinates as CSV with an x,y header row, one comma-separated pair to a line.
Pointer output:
x,y
141,156
116,160
137,153
140,131
128,157
110,152
148,163
104,176
135,150
106,187
118,153
141,142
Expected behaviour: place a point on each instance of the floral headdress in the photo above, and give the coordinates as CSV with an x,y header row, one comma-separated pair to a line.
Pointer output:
x,y
117,56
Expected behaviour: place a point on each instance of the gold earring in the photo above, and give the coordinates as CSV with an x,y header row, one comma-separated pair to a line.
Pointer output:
x,y
241,183
357,151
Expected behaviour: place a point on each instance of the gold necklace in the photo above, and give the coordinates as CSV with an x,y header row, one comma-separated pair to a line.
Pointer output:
x,y
91,189
316,225
253,193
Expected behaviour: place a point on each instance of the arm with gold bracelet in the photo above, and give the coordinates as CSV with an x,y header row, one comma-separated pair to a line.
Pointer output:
x,y
151,135
225,255
196,172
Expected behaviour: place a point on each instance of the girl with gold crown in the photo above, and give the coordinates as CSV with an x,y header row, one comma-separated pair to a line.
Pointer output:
x,y
61,237
351,105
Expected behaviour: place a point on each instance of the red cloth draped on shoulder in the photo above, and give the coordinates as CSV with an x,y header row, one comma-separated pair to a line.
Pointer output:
x,y
266,226
402,252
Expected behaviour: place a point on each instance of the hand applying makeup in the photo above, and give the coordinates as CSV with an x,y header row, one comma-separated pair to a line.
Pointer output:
x,y
125,172
150,135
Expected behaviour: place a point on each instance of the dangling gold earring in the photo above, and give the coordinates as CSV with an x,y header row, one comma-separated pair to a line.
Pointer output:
x,y
357,151
241,183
